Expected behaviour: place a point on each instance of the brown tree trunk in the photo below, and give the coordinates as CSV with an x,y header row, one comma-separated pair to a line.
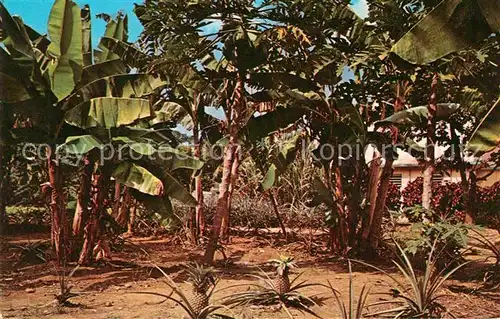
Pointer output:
x,y
199,216
383,190
471,204
91,231
373,184
234,178
117,196
469,213
222,202
272,197
83,203
59,224
430,147
124,210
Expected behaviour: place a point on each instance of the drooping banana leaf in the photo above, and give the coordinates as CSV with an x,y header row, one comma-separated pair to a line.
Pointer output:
x,y
109,112
418,115
101,70
65,31
129,54
487,134
261,126
174,189
137,177
116,29
175,113
172,159
158,204
124,86
452,26
80,145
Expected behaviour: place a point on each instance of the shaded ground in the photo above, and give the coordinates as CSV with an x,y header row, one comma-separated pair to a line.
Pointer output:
x,y
108,291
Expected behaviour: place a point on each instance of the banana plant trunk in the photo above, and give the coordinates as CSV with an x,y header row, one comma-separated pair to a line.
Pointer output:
x,y
373,182
83,201
124,209
383,190
117,196
91,231
430,147
59,224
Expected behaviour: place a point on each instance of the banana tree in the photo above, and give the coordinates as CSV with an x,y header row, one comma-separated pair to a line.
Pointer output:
x,y
53,90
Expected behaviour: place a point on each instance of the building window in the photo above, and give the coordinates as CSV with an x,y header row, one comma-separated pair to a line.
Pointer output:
x,y
397,179
437,178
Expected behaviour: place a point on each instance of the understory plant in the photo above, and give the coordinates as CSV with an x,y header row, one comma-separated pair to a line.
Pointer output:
x,y
65,290
417,296
449,239
279,290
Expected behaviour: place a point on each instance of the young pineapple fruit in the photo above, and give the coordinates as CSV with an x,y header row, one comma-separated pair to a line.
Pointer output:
x,y
282,281
200,278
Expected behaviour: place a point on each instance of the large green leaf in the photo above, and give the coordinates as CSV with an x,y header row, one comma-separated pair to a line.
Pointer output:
x,y
81,144
137,177
109,112
86,35
453,25
487,134
65,31
418,115
125,85
116,29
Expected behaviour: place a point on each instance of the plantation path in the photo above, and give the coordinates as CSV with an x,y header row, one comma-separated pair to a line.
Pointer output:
x,y
108,291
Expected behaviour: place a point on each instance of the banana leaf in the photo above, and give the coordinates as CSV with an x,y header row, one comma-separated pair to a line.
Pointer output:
x,y
109,112
452,26
139,178
65,31
486,136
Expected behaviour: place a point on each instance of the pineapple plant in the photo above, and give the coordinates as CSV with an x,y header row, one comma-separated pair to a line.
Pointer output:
x,y
282,281
279,290
197,303
201,279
